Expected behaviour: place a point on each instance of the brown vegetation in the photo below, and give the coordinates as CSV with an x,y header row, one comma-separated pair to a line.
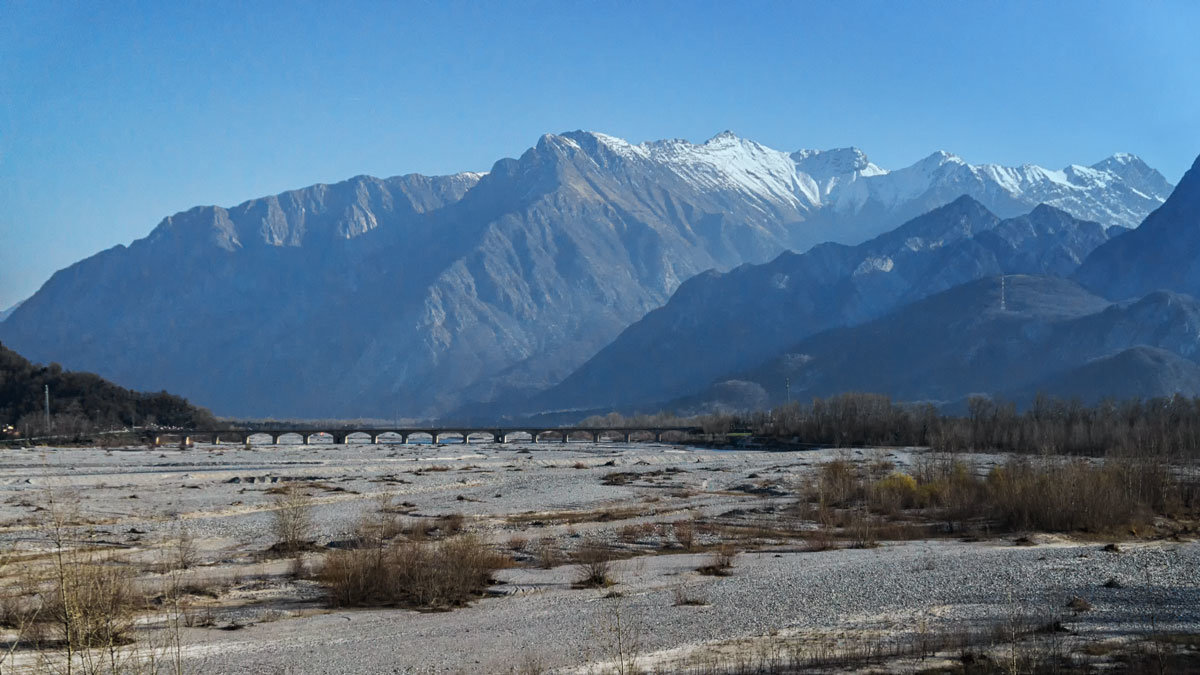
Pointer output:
x,y
419,574
593,561
946,494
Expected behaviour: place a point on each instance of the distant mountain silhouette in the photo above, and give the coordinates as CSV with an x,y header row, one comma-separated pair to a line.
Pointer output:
x,y
1013,335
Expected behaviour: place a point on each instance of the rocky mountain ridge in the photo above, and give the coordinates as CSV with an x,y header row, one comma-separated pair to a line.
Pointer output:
x,y
413,295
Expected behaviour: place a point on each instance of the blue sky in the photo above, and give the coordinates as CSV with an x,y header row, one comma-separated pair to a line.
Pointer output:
x,y
116,114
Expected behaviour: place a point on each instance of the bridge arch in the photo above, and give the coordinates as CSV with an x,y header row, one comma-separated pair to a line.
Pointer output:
x,y
358,438
260,438
452,436
478,436
390,437
421,437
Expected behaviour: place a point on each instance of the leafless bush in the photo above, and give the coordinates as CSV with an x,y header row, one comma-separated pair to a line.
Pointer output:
x,y
593,561
721,562
1071,495
422,574
291,520
685,599
685,533
547,553
92,605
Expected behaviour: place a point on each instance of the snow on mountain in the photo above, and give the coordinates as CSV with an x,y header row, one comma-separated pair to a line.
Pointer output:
x,y
848,199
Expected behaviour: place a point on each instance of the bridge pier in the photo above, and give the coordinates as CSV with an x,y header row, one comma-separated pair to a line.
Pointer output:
x,y
565,436
627,436
595,436
658,437
374,439
185,442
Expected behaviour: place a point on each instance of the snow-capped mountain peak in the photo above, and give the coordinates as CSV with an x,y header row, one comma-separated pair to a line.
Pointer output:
x,y
844,184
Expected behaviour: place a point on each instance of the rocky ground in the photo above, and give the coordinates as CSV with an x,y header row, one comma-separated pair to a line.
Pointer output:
x,y
782,602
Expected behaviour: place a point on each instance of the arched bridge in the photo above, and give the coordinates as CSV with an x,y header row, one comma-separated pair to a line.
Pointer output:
x,y
435,434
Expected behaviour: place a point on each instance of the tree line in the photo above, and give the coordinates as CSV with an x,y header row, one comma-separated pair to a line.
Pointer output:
x,y
82,403
1156,426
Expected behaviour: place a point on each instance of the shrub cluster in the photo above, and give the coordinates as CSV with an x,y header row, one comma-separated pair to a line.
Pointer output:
x,y
1044,494
418,574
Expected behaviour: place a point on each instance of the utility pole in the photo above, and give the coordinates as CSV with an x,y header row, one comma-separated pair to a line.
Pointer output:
x,y
47,391
787,384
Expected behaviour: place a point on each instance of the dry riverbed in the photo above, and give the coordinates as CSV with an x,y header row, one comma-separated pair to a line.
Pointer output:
x,y
663,509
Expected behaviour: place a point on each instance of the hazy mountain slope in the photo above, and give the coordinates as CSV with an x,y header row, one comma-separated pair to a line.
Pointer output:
x,y
392,300
4,314
966,340
409,296
1164,252
1143,372
717,323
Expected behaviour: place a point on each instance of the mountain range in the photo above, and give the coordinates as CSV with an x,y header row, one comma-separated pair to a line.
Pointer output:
x,y
682,346
1012,336
413,296
1133,331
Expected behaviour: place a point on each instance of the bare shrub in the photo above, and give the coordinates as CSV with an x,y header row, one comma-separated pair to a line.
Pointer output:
x,y
721,562
861,529
376,528
1062,496
593,561
547,553
425,574
838,483
685,599
92,605
291,521
619,633
685,533
449,524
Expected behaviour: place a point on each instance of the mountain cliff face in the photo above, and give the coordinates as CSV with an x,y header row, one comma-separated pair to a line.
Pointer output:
x,y
1011,335
1164,253
718,323
409,296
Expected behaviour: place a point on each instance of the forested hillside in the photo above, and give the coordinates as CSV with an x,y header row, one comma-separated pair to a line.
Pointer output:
x,y
82,402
